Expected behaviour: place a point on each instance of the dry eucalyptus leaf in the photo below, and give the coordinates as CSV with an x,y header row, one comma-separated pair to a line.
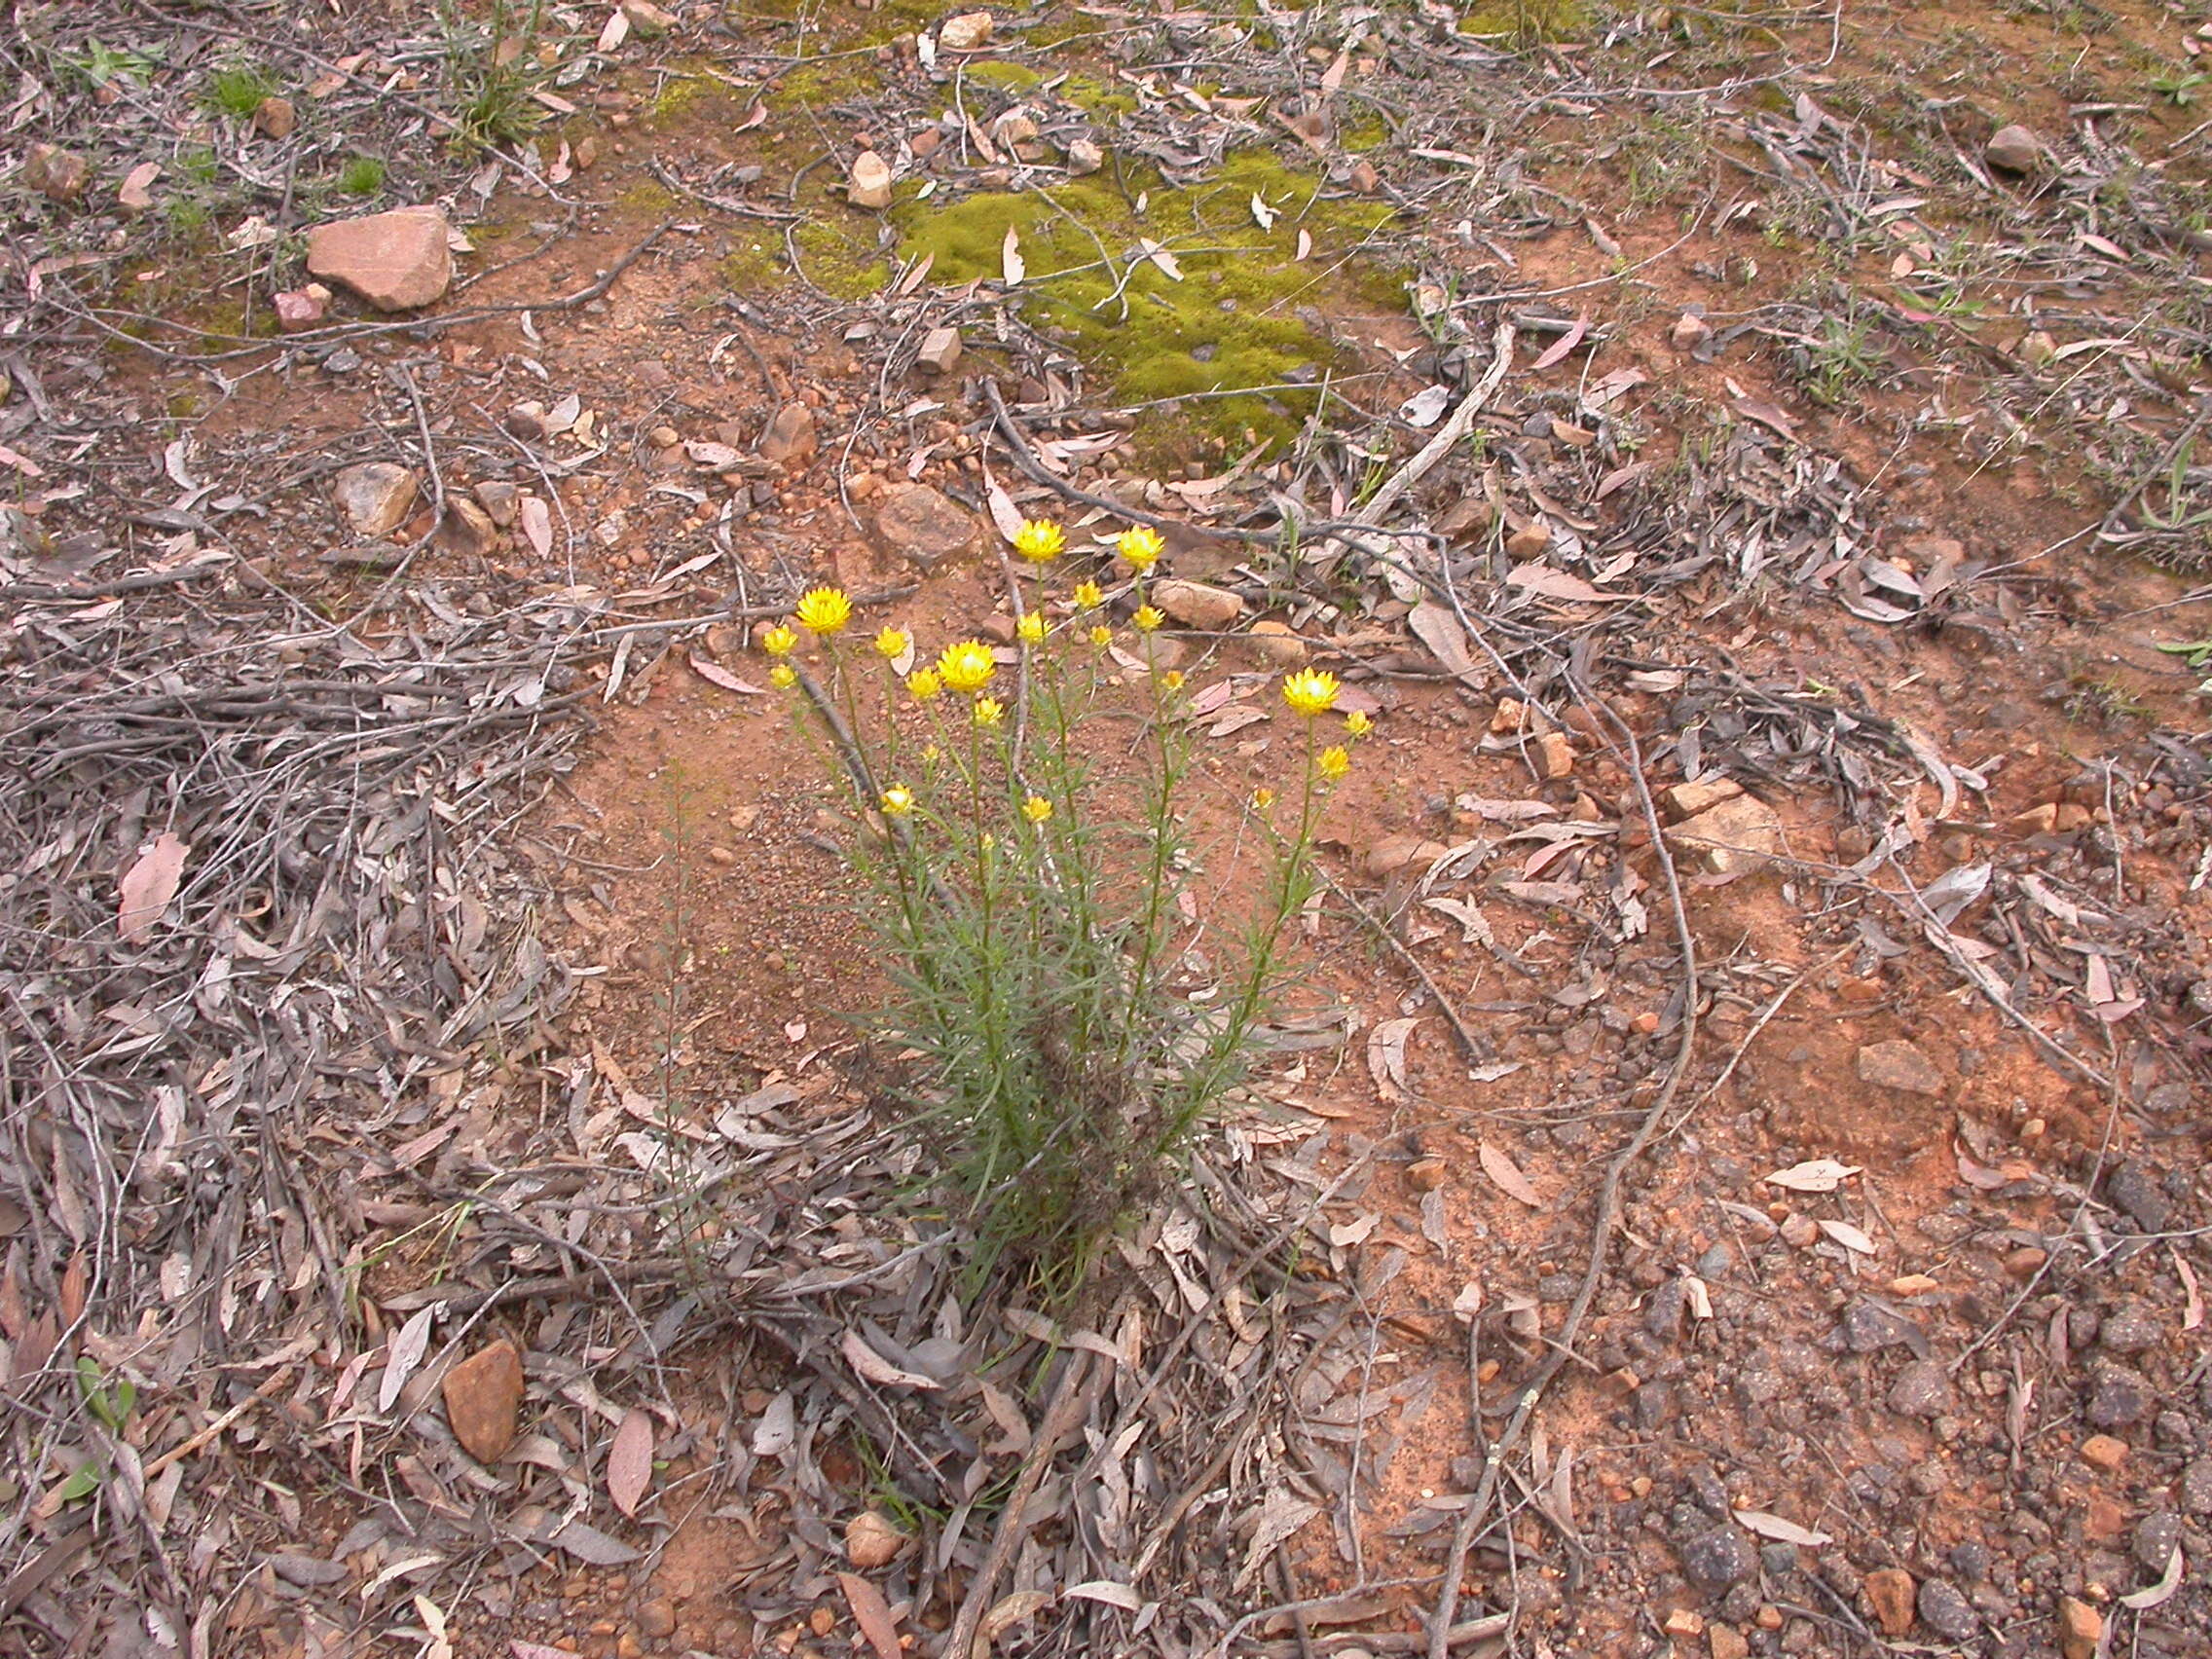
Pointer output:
x,y
880,1371
871,1613
537,520
1507,1174
1814,1175
148,886
1386,1057
406,1353
2144,1599
714,674
1009,1611
630,1461
777,1432
1779,1531
1848,1235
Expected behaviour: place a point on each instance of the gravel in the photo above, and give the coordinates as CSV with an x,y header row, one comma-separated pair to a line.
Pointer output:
x,y
1946,1611
1719,1558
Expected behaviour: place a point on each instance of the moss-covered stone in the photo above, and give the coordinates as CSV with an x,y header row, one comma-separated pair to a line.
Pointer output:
x,y
1231,322
842,260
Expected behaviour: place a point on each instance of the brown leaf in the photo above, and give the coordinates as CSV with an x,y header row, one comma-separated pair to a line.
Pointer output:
x,y
148,886
630,1461
1507,1174
1440,631
714,674
880,1371
1557,585
1564,344
1386,1057
871,1613
537,520
405,1354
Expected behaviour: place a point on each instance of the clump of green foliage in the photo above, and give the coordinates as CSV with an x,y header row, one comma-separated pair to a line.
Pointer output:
x,y
1029,902
361,175
1524,23
495,71
239,89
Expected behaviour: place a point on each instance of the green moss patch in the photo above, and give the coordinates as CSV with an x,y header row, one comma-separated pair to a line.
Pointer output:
x,y
1231,322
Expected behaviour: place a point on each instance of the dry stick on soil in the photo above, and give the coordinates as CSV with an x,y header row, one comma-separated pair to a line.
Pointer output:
x,y
1608,1193
274,1384
1079,1387
1469,1043
1447,436
1025,457
356,330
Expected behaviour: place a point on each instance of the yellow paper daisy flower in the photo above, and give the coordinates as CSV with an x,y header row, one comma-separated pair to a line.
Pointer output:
x,y
1147,617
779,641
1358,722
825,610
1088,596
924,683
1031,628
1141,546
783,676
1036,809
931,754
1333,763
1101,636
1310,691
1172,680
989,710
1039,541
889,644
967,666
897,801
1263,798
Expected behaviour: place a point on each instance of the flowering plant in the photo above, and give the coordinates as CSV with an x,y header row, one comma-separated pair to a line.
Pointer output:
x,y
1028,867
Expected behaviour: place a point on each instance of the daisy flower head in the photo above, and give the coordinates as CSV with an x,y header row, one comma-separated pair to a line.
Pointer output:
x,y
924,683
825,610
779,641
967,667
989,710
890,643
1263,798
899,800
1039,541
1333,763
1358,722
1031,629
1141,546
783,676
1172,680
1147,617
1101,636
1310,691
931,754
1088,595
1036,809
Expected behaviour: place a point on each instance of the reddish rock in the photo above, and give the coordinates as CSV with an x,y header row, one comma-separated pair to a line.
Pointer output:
x,y
57,174
1890,1593
299,308
395,261
376,495
275,118
484,1401
924,526
790,438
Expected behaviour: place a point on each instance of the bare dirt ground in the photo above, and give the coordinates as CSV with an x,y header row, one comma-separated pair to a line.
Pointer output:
x,y
1728,1178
